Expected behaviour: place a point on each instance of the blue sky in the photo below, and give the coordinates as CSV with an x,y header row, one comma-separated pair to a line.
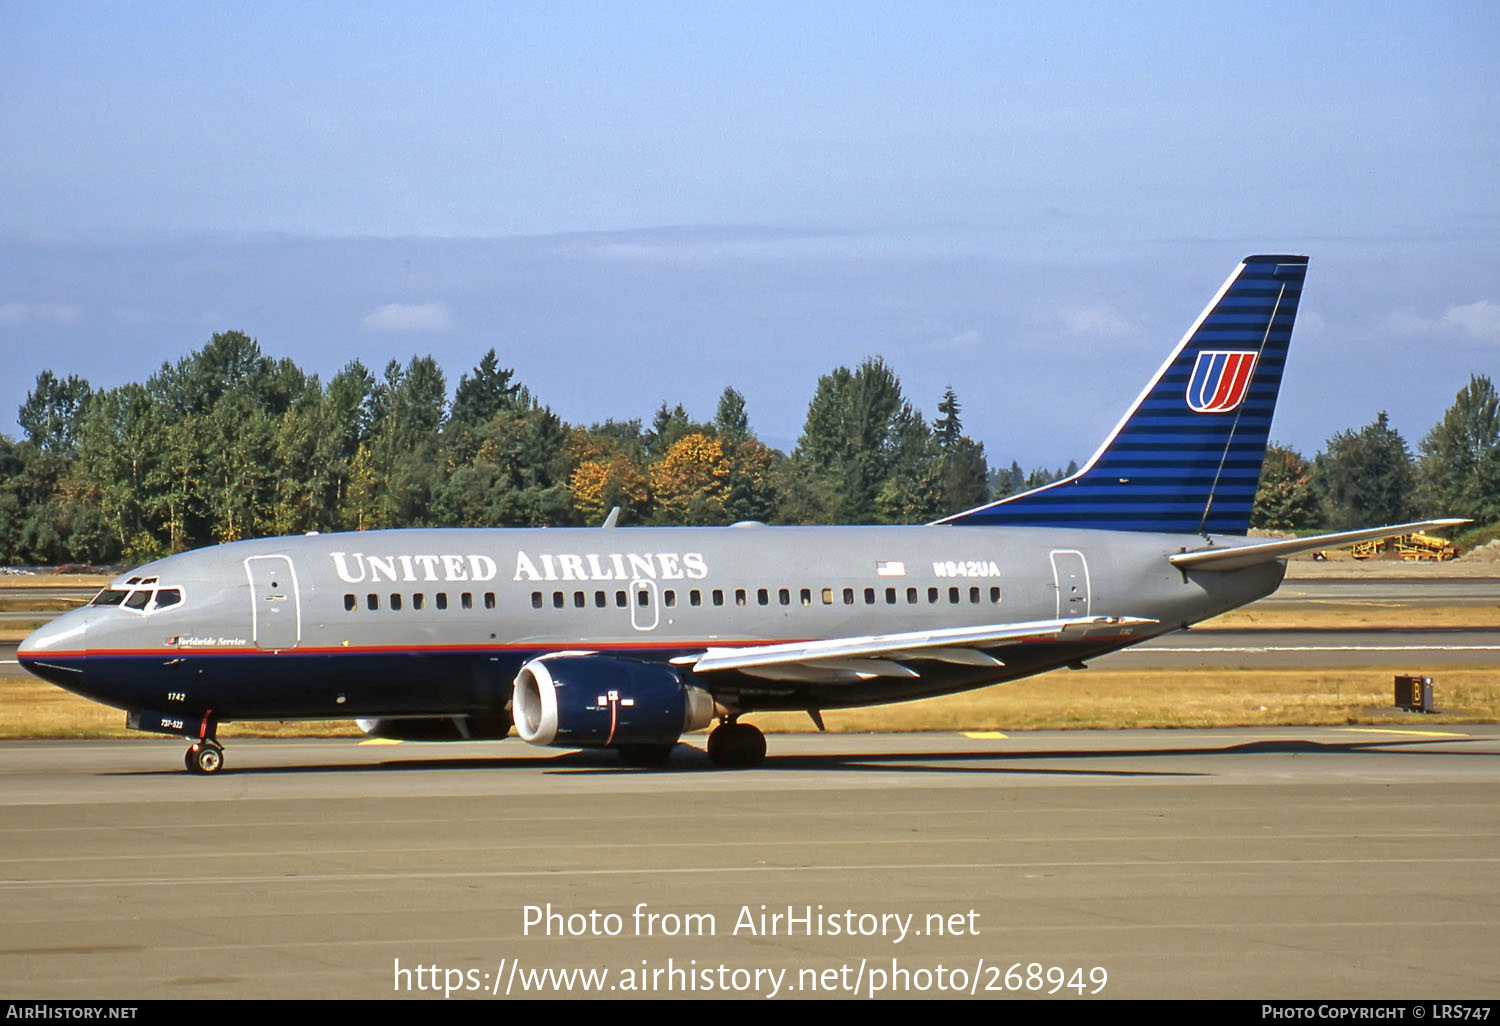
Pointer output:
x,y
643,202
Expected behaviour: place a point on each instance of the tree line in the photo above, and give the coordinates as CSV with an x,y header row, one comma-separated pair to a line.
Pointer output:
x,y
1370,476
228,443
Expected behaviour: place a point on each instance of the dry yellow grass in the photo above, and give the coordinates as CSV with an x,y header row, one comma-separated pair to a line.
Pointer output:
x,y
1183,698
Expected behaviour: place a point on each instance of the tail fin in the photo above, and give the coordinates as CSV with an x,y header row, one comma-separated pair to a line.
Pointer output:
x,y
1186,457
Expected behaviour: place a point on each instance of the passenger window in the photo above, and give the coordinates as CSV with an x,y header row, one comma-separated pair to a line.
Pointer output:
x,y
974,594
669,597
442,599
848,596
953,596
695,597
911,596
536,600
557,600
806,596
828,596
869,596
620,599
489,600
785,597
762,596
466,600
890,596
739,596
348,603
395,602
418,600
372,601
718,596
578,600
643,597
600,600
995,595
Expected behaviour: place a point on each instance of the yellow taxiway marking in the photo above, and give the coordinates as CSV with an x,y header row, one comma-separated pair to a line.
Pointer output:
x,y
1414,733
984,735
380,741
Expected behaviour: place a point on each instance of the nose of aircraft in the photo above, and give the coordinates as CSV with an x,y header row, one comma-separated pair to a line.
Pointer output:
x,y
56,650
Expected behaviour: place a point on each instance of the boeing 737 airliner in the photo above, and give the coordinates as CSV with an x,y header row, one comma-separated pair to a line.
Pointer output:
x,y
629,638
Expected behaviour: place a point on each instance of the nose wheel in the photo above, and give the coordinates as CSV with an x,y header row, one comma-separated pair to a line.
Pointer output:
x,y
204,758
735,745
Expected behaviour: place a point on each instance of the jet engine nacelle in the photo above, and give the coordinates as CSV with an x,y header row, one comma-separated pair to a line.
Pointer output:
x,y
593,701
490,727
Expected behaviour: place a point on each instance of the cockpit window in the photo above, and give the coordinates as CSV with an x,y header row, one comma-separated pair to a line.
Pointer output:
x,y
140,595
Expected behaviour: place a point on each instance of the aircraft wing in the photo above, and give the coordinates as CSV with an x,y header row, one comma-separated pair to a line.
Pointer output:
x,y
885,655
1237,557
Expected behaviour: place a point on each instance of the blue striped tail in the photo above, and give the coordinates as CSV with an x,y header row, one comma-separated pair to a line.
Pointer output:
x,y
1187,456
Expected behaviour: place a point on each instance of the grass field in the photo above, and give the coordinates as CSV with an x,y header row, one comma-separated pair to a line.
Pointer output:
x,y
1063,699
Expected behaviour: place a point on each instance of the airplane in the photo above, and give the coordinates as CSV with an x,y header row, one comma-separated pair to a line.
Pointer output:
x,y
628,639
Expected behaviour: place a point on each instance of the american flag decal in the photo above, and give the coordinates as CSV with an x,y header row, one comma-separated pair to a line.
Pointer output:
x,y
1220,380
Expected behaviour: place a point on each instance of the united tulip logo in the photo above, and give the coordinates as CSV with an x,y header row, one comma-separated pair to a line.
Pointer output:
x,y
1220,381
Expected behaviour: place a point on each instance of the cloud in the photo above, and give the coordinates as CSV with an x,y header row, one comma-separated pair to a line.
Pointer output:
x,y
12,314
1407,321
1479,320
1096,321
414,317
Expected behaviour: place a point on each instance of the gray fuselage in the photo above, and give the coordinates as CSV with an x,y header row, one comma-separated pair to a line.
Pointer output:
x,y
438,622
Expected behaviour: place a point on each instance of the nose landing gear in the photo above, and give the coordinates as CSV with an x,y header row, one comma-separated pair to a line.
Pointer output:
x,y
204,758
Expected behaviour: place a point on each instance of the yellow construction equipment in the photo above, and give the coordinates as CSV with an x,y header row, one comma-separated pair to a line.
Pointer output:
x,y
1366,549
1424,548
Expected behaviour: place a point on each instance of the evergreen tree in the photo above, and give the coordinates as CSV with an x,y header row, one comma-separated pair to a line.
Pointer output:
x,y
1364,478
52,412
1460,466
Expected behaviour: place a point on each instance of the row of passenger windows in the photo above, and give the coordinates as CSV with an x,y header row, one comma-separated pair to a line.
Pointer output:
x,y
695,597
763,597
418,600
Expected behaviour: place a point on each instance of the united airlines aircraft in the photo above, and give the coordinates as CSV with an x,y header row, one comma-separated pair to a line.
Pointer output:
x,y
630,638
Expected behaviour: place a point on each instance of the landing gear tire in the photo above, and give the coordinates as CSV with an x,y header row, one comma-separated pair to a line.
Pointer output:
x,y
736,746
204,758
655,756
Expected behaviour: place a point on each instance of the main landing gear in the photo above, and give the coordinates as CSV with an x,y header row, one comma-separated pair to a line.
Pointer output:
x,y
735,745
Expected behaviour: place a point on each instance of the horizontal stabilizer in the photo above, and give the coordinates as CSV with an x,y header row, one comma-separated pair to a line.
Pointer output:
x,y
870,655
1237,557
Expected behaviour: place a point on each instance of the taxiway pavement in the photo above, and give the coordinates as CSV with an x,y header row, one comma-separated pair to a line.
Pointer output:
x,y
1254,863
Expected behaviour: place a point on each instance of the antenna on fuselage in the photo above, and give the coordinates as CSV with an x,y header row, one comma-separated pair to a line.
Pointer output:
x,y
611,520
